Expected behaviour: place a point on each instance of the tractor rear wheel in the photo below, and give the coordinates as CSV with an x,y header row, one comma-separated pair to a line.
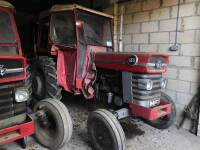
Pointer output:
x,y
53,125
105,131
166,121
45,79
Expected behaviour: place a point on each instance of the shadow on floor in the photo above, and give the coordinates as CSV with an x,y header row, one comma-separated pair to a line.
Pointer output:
x,y
131,128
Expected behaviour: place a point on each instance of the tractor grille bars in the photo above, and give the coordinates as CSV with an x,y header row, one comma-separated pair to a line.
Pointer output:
x,y
8,106
135,88
144,94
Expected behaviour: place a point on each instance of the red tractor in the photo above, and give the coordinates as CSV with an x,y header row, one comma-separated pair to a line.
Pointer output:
x,y
16,120
74,51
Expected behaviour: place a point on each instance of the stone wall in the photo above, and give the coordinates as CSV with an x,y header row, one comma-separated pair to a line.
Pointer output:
x,y
150,25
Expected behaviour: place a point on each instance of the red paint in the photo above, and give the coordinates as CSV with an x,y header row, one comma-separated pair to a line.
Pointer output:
x,y
24,130
7,9
63,71
151,113
79,24
87,78
117,61
66,68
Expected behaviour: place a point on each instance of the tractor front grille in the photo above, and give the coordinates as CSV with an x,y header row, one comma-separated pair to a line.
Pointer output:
x,y
133,93
143,94
8,106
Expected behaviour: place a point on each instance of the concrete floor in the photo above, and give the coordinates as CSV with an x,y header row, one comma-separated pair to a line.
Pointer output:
x,y
139,135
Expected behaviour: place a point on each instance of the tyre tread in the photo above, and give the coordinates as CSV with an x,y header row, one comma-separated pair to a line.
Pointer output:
x,y
114,124
47,64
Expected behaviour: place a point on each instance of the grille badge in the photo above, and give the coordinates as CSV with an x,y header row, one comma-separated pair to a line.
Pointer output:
x,y
132,60
2,70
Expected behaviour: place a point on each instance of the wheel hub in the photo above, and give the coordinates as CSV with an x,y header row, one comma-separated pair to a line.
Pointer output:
x,y
44,122
37,85
102,135
47,123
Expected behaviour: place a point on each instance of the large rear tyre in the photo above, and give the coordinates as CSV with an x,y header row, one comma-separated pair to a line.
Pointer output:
x,y
166,121
53,125
105,131
45,79
28,81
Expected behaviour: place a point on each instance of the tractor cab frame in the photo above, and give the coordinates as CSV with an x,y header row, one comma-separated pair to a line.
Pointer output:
x,y
87,30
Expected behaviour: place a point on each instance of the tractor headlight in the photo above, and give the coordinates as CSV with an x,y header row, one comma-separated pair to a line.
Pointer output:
x,y
145,84
164,83
21,95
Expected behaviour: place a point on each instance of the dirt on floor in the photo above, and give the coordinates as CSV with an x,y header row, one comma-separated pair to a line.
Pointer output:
x,y
140,136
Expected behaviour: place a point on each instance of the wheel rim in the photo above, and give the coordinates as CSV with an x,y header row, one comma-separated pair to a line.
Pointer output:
x,y
101,135
38,86
47,125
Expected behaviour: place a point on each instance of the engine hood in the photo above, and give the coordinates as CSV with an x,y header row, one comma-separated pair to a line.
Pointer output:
x,y
132,62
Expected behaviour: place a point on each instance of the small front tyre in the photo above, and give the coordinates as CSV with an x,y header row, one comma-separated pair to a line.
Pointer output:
x,y
105,131
53,125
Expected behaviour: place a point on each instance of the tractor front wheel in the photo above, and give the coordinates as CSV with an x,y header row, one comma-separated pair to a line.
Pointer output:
x,y
105,131
166,121
45,79
53,124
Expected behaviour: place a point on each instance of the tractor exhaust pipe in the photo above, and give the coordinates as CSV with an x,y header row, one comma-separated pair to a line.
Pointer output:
x,y
121,29
116,46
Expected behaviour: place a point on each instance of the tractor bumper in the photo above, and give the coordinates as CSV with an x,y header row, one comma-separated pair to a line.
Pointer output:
x,y
17,132
151,113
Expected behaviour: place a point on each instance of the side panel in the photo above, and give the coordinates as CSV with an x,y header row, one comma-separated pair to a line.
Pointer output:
x,y
66,69
127,87
86,71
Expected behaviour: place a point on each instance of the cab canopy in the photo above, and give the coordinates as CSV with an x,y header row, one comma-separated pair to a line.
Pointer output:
x,y
62,7
7,5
